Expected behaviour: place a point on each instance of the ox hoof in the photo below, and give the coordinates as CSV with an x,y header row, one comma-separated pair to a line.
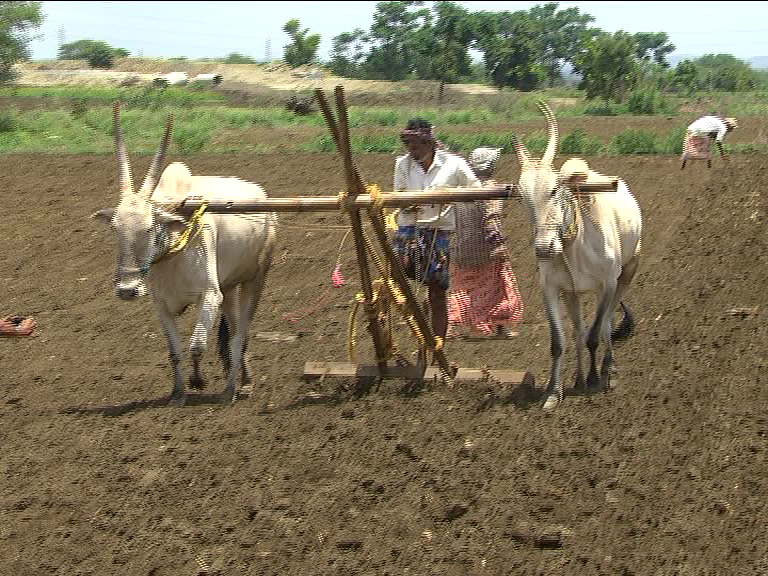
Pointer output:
x,y
177,400
245,392
593,382
551,403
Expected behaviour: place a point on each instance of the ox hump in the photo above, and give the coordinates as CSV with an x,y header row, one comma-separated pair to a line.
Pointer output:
x,y
174,186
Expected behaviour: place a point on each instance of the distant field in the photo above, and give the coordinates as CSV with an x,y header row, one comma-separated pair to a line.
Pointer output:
x,y
251,117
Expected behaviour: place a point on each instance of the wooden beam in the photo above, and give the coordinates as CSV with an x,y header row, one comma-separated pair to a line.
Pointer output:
x,y
340,133
333,203
315,370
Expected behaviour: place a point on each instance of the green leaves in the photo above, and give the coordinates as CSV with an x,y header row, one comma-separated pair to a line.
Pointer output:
x,y
608,66
17,22
97,53
303,46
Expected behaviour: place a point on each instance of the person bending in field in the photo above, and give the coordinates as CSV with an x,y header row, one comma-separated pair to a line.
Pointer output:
x,y
700,136
484,297
422,240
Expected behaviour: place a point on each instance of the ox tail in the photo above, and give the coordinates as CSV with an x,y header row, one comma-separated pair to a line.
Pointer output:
x,y
224,343
626,327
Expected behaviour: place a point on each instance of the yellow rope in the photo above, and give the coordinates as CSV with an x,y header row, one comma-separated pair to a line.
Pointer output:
x,y
573,228
196,224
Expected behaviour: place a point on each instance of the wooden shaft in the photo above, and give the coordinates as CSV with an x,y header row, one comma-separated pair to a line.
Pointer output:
x,y
340,133
332,203
327,114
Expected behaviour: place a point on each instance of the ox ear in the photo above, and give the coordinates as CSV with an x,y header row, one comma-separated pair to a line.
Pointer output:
x,y
174,222
104,215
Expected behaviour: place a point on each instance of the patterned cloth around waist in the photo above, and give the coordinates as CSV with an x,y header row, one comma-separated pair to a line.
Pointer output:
x,y
697,147
485,297
424,254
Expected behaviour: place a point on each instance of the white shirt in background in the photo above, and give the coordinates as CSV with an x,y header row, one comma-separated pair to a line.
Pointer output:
x,y
446,170
709,125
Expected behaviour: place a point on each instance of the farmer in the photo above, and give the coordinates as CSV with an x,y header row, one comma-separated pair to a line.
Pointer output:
x,y
484,296
700,135
422,240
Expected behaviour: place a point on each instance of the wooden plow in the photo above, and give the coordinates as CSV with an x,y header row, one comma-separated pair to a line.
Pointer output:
x,y
392,287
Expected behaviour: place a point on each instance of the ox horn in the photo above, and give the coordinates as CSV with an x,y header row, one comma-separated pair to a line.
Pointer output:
x,y
552,134
523,156
148,186
126,181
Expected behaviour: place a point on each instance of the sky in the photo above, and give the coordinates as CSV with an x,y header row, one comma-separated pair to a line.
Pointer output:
x,y
215,29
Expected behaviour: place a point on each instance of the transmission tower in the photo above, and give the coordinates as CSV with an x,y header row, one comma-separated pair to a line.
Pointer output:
x,y
61,37
268,51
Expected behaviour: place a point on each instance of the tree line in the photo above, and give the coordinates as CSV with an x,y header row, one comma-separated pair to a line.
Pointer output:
x,y
524,50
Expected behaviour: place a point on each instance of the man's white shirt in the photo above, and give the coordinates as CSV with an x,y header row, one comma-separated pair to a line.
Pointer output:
x,y
447,170
708,125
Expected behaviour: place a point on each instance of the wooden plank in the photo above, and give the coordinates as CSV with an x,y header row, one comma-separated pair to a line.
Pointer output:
x,y
314,370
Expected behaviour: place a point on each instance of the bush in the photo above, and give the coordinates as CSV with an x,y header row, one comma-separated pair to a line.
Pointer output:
x,y
577,142
672,143
237,58
647,101
101,57
79,107
602,109
634,142
7,121
536,143
190,139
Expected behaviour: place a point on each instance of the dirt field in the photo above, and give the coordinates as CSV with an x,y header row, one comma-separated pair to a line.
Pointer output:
x,y
664,475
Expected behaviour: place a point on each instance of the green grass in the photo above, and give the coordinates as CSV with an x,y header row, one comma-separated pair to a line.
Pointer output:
x,y
83,125
133,96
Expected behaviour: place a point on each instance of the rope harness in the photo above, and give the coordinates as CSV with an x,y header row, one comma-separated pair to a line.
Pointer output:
x,y
385,292
192,231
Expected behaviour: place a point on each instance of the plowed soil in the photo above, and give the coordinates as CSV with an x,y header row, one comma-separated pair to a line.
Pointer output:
x,y
665,474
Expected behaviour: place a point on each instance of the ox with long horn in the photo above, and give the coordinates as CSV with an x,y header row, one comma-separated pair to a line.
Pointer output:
x,y
211,261
580,246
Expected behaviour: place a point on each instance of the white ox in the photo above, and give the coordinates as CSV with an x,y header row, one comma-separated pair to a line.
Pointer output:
x,y
224,265
582,244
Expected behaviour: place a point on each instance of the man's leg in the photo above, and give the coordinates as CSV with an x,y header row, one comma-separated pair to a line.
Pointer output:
x,y
439,307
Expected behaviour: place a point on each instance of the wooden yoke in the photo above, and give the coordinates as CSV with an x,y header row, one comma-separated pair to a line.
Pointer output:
x,y
355,184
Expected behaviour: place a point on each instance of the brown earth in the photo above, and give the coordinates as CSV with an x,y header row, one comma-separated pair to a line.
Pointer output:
x,y
666,474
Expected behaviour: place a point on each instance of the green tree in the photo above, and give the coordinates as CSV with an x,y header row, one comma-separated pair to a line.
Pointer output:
x,y
511,54
400,40
654,46
725,72
97,53
17,22
608,65
348,54
303,46
526,49
686,77
451,35
560,34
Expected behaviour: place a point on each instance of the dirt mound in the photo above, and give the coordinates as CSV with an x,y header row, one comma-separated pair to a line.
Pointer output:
x,y
277,76
665,474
